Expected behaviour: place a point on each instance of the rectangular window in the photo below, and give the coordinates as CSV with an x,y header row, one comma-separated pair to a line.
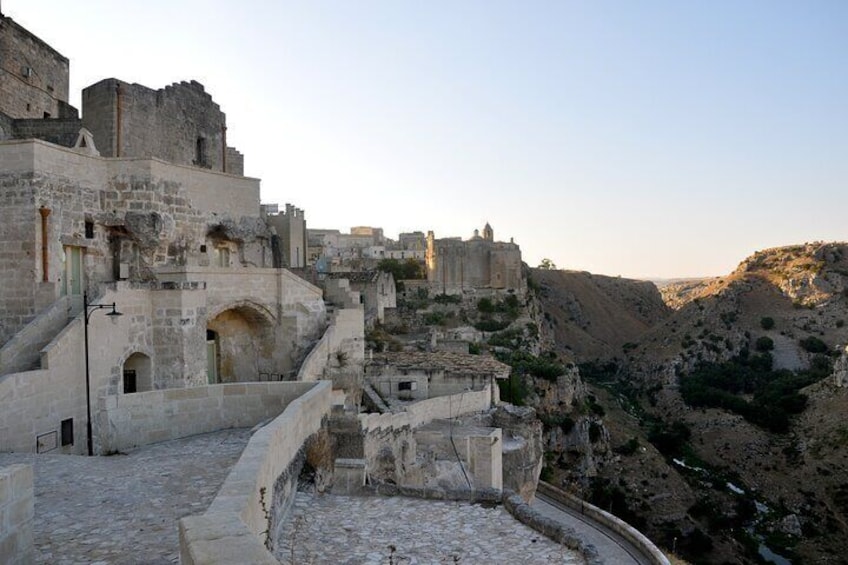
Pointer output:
x,y
68,431
130,381
89,229
407,385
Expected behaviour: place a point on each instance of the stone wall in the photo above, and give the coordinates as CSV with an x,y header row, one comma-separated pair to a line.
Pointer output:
x,y
391,441
237,527
16,515
33,76
420,413
455,266
144,213
132,420
291,229
57,130
342,344
614,523
23,351
179,123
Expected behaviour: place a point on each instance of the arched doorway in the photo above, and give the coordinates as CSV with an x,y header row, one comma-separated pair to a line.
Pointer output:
x,y
137,374
239,344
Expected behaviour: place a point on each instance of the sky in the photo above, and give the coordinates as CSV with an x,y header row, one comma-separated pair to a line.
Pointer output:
x,y
649,139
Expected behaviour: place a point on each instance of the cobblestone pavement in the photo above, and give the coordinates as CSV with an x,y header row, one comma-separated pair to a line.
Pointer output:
x,y
327,529
124,509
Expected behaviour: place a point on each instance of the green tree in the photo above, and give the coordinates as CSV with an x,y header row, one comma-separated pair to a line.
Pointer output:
x,y
547,265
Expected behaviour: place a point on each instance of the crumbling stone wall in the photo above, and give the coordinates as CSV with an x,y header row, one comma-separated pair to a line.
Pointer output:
x,y
34,77
179,123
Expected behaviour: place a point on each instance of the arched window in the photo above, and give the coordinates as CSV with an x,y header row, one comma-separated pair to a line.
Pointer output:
x,y
137,375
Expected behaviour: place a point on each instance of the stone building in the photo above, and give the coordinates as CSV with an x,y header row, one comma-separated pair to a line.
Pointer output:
x,y
145,207
455,266
291,231
415,375
377,292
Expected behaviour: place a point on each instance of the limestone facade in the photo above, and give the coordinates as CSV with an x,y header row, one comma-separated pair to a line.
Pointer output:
x,y
16,514
291,231
34,77
455,266
145,207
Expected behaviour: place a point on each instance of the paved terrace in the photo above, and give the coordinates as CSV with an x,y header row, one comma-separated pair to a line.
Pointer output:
x,y
124,509
327,529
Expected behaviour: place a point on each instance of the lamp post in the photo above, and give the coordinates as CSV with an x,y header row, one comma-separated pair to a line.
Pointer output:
x,y
88,310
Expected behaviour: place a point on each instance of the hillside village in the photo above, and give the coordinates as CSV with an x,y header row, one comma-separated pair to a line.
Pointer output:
x,y
149,296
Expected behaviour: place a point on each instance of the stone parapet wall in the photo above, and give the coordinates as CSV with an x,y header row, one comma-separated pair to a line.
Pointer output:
x,y
16,515
614,523
425,411
237,526
22,352
345,336
132,420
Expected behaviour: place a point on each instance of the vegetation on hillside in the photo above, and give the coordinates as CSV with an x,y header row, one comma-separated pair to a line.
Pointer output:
x,y
747,385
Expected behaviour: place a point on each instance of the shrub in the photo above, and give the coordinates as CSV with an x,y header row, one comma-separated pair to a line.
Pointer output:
x,y
628,448
767,322
491,325
814,345
764,343
486,305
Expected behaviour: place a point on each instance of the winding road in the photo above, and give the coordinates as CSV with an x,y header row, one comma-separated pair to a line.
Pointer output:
x,y
612,548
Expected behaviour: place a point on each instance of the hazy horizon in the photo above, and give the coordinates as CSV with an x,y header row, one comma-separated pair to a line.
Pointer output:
x,y
647,140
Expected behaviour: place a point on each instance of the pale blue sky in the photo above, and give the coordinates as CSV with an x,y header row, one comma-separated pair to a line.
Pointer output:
x,y
639,138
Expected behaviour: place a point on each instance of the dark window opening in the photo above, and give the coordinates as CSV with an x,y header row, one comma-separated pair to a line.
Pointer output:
x,y
89,230
46,115
211,335
407,385
203,249
68,431
130,385
200,152
29,107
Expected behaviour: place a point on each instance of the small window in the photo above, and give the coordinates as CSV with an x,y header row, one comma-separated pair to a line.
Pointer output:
x,y
89,229
203,249
407,385
46,115
29,107
200,152
130,384
68,431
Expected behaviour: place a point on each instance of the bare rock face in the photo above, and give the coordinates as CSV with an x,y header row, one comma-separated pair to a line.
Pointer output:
x,y
522,448
840,369
146,228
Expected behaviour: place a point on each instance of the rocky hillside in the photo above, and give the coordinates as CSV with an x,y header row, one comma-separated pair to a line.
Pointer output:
x,y
722,434
594,316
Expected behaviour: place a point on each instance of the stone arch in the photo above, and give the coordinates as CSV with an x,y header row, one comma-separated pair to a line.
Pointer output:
x,y
249,309
240,342
136,373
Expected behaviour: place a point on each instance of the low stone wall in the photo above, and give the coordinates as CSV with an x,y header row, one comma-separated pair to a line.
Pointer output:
x,y
21,353
345,336
238,526
614,523
524,513
131,420
425,411
16,515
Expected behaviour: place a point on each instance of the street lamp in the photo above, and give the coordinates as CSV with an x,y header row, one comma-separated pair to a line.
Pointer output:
x,y
88,310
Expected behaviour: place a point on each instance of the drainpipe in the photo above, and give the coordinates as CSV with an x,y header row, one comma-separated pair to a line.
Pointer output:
x,y
223,149
118,93
44,213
